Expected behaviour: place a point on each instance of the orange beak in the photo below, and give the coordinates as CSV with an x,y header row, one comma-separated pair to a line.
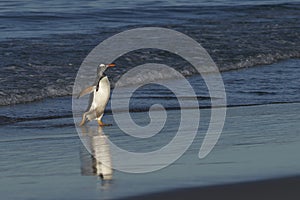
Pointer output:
x,y
111,65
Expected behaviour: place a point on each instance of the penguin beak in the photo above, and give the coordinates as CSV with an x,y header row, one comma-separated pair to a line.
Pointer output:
x,y
111,65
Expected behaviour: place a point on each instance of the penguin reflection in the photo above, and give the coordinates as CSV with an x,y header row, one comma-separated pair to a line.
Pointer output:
x,y
99,162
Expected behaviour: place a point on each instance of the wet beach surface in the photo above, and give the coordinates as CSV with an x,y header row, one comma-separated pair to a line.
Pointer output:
x,y
258,142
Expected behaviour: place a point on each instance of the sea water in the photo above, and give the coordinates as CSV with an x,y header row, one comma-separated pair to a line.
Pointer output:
x,y
42,44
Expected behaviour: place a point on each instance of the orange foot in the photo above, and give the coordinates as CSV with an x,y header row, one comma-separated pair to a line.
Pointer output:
x,y
102,124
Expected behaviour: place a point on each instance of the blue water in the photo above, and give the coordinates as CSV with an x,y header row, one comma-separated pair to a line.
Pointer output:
x,y
42,44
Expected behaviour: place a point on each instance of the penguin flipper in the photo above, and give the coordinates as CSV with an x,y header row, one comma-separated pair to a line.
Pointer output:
x,y
86,91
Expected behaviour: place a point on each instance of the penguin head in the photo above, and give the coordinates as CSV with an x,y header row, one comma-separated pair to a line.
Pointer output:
x,y
103,67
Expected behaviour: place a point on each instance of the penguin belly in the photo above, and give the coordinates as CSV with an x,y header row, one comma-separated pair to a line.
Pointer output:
x,y
101,97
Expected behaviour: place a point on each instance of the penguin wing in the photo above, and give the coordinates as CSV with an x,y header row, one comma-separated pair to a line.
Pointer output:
x,y
86,91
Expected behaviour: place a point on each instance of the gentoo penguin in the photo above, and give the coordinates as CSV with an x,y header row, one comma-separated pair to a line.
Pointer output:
x,y
100,93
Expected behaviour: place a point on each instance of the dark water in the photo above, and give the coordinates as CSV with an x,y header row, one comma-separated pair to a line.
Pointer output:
x,y
42,44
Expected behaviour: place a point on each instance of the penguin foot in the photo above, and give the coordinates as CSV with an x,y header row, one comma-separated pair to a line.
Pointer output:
x,y
103,124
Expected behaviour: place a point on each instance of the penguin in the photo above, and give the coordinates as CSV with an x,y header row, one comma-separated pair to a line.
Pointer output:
x,y
99,96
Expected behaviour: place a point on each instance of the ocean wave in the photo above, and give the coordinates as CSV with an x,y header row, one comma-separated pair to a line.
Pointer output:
x,y
4,120
260,60
59,88
16,96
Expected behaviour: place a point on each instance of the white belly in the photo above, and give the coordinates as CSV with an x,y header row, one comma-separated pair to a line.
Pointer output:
x,y
101,96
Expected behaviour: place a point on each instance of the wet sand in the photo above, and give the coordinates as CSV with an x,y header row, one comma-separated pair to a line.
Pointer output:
x,y
281,188
45,159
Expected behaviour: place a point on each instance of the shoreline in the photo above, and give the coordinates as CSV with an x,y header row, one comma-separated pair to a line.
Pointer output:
x,y
53,101
275,188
